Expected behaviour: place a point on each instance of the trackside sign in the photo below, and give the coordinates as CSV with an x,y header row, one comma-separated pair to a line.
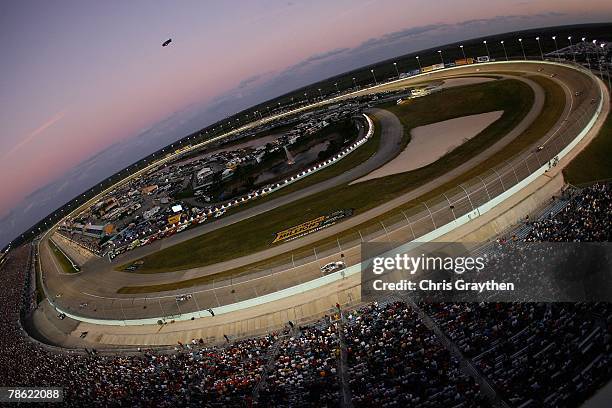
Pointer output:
x,y
311,226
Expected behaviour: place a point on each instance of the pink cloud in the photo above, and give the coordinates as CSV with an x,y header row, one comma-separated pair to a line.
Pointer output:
x,y
50,122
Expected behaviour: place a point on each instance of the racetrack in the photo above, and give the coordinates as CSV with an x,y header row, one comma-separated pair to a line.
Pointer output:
x,y
392,131
73,288
389,148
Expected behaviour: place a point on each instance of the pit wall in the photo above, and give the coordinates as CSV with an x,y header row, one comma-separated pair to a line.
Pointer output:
x,y
442,231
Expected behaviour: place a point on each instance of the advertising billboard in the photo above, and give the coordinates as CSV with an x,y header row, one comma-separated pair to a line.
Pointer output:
x,y
311,226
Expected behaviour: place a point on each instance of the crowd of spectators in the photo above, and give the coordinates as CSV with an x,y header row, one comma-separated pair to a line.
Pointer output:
x,y
586,218
87,243
193,373
545,354
305,373
304,370
396,361
551,354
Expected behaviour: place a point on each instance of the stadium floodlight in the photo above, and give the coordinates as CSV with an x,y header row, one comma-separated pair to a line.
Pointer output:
x,y
441,57
462,51
540,47
354,83
522,48
487,48
373,75
554,37
504,47
418,61
396,70
596,50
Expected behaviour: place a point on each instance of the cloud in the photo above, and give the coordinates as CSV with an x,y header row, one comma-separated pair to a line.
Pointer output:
x,y
316,59
50,122
398,35
508,19
324,55
250,80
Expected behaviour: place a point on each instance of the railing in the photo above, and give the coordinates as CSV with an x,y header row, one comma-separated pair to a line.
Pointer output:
x,y
299,271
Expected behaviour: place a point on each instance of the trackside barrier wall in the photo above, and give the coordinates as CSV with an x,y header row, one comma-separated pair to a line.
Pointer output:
x,y
438,217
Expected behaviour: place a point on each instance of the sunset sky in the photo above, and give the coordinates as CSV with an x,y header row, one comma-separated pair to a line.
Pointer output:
x,y
80,77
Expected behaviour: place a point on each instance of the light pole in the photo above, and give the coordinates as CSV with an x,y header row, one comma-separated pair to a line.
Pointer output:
x,y
441,58
320,94
504,47
586,48
354,83
554,37
572,47
598,62
540,47
463,52
487,48
522,48
418,62
306,97
606,64
336,85
396,70
374,76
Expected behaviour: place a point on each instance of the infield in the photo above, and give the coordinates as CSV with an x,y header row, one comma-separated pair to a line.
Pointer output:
x,y
513,97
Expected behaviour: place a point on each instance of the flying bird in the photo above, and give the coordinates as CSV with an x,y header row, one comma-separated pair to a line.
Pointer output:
x,y
167,42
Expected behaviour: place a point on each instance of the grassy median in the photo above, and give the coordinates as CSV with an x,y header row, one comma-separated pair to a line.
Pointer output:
x,y
513,97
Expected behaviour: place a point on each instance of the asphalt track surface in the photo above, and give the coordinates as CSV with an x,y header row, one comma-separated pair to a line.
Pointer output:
x,y
97,289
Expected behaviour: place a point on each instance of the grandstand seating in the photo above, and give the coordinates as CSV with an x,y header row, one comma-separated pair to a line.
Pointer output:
x,y
532,354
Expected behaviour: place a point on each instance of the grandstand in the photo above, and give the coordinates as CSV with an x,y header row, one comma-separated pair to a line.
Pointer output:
x,y
390,353
88,230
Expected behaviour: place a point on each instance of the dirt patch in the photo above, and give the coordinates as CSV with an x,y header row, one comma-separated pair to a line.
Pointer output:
x,y
430,142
